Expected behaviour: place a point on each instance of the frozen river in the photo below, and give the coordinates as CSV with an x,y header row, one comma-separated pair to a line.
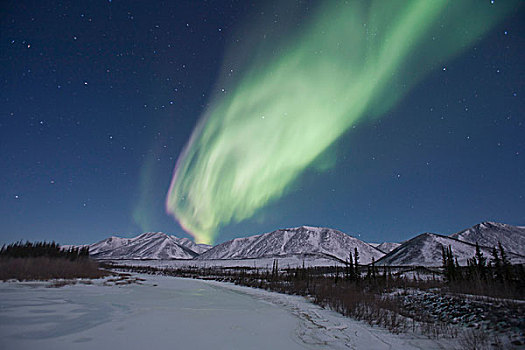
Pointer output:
x,y
166,312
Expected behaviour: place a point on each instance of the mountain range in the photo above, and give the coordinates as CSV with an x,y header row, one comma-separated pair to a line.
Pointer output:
x,y
425,250
488,234
150,245
304,240
317,242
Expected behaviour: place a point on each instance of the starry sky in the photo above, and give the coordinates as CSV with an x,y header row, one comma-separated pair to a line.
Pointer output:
x,y
99,98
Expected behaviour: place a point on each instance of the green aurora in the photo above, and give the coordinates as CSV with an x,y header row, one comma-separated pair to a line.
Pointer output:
x,y
298,94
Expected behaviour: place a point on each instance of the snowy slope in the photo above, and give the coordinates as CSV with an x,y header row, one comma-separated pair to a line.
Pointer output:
x,y
387,247
107,244
302,240
150,245
488,234
188,243
425,250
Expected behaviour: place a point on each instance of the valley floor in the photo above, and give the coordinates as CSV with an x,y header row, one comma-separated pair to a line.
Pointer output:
x,y
165,312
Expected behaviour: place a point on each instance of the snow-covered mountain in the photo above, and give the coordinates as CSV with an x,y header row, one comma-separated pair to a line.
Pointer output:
x,y
188,243
387,247
108,244
488,234
304,240
150,245
317,242
425,250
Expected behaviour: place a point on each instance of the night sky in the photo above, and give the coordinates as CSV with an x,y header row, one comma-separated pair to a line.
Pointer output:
x,y
98,99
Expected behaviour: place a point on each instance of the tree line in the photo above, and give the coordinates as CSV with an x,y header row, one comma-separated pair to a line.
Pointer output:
x,y
42,249
482,272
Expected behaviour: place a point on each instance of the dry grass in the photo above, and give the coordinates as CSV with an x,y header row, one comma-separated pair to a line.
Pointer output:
x,y
45,268
475,339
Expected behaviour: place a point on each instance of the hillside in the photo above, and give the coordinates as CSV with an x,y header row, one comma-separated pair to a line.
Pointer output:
x,y
188,243
304,240
150,245
488,234
425,250
387,247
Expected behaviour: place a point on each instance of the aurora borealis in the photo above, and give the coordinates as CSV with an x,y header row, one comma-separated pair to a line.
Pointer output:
x,y
349,63
382,119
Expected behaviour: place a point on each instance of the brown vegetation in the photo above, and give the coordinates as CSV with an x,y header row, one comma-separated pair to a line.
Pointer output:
x,y
45,268
46,260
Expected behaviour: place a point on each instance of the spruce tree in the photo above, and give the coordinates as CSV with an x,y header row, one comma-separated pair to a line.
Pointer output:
x,y
480,262
352,271
356,263
496,262
505,264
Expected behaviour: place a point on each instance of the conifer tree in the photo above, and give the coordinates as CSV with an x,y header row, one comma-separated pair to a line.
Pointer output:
x,y
352,271
496,262
505,264
449,264
479,262
356,263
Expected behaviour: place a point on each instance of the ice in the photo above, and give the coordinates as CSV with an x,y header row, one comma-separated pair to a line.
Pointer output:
x,y
167,312
162,313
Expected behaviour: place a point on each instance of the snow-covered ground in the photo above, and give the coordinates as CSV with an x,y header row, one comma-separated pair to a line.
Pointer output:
x,y
261,263
175,313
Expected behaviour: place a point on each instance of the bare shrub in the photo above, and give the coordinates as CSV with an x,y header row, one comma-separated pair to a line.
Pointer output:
x,y
61,283
474,339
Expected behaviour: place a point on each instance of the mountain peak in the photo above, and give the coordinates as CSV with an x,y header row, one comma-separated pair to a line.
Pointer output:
x,y
149,245
309,228
489,234
425,250
146,235
302,240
